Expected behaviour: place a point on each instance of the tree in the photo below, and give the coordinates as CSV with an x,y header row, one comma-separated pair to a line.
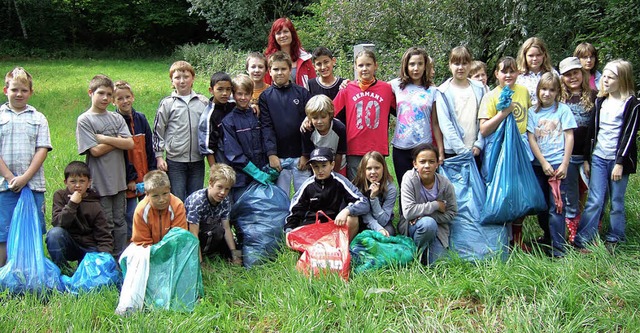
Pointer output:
x,y
244,24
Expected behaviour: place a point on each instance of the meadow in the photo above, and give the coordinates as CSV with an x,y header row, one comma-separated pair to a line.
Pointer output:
x,y
599,292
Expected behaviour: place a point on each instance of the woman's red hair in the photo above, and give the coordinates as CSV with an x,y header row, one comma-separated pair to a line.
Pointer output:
x,y
272,45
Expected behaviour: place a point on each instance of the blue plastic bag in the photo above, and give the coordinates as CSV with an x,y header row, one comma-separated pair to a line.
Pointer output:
x,y
97,269
470,239
512,187
260,215
27,269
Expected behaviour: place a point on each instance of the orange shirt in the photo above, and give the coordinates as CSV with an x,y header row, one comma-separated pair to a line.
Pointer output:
x,y
150,225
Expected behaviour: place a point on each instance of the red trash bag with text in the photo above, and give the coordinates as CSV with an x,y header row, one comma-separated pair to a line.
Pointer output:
x,y
324,247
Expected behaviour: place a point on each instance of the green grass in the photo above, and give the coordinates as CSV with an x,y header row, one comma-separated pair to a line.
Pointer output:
x,y
527,293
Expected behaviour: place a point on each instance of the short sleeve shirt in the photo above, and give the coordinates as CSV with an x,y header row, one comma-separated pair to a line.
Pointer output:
x,y
21,133
520,98
548,126
199,208
108,171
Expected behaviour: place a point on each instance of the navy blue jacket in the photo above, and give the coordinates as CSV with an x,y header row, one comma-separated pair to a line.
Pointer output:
x,y
243,143
281,114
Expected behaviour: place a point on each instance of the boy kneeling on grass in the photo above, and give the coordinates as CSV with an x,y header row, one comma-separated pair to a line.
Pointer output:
x,y
329,192
155,215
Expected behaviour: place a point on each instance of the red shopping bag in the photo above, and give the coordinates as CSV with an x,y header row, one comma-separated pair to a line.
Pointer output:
x,y
325,247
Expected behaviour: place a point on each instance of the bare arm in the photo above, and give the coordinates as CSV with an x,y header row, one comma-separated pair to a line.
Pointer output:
x,y
437,133
488,126
116,141
568,149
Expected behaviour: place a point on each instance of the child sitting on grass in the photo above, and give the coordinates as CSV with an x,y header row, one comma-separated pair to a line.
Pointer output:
x,y
208,212
79,224
155,216
329,192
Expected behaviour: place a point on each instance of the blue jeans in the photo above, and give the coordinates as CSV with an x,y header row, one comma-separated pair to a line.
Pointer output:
x,y
424,234
131,208
114,211
555,227
8,202
572,203
599,184
185,177
62,248
353,162
290,171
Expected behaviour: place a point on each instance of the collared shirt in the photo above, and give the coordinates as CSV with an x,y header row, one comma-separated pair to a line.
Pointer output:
x,y
199,208
21,134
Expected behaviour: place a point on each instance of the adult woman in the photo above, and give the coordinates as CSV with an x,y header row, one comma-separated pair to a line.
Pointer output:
x,y
283,37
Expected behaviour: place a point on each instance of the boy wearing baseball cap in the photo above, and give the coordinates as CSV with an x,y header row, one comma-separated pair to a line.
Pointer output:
x,y
329,192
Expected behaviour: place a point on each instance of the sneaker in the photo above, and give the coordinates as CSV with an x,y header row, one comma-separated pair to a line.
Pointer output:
x,y
125,312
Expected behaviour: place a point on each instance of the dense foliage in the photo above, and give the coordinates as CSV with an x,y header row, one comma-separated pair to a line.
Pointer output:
x,y
490,29
53,28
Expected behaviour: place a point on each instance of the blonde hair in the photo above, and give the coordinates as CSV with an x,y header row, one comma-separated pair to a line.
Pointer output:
x,y
476,66
222,172
100,81
182,66
625,78
242,81
585,95
19,74
255,55
538,43
548,79
156,179
122,85
319,105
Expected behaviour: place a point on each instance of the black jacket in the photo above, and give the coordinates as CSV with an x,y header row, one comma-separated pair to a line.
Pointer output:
x,y
626,149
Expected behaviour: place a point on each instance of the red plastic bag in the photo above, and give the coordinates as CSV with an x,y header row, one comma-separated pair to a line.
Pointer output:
x,y
324,247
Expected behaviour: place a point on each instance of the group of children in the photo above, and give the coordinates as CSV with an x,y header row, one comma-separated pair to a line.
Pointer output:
x,y
337,129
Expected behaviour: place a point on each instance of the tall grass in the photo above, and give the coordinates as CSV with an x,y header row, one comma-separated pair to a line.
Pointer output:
x,y
599,292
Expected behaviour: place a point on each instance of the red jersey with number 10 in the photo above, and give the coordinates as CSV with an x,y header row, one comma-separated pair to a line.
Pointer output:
x,y
367,115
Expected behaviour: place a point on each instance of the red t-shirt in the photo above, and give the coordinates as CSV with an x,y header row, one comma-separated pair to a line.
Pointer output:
x,y
367,116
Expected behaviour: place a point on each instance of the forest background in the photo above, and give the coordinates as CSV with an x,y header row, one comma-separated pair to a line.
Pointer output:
x,y
214,33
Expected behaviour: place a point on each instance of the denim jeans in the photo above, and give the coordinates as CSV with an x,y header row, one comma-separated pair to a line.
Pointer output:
x,y
599,184
8,202
572,202
290,171
353,162
114,211
556,226
424,234
62,248
185,177
131,208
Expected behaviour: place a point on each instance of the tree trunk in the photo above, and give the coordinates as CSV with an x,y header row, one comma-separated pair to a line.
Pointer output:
x,y
22,26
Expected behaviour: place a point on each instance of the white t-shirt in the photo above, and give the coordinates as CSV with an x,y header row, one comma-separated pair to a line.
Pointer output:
x,y
610,123
465,105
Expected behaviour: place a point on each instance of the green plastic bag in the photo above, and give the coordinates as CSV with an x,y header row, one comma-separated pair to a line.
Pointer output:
x,y
175,278
373,250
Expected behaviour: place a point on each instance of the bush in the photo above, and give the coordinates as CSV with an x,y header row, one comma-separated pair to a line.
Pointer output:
x,y
211,58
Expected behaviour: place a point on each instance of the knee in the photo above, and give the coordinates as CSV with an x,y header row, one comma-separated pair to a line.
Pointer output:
x,y
56,235
427,225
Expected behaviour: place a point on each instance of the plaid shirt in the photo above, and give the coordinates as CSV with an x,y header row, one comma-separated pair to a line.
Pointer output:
x,y
21,134
199,209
